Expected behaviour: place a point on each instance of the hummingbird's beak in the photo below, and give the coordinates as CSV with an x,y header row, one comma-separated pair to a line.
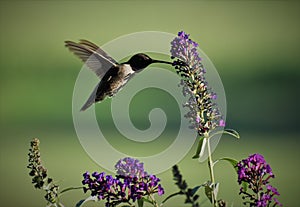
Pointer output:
x,y
161,61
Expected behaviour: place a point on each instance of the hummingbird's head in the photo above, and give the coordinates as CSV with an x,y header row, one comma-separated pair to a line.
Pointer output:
x,y
140,61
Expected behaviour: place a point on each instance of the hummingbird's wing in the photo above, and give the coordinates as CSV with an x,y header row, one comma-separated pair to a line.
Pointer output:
x,y
102,89
94,47
93,56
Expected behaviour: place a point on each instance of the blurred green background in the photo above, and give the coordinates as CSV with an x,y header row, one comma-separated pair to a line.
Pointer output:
x,y
254,46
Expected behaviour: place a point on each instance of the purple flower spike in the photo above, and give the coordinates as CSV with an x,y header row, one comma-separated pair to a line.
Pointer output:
x,y
256,173
203,113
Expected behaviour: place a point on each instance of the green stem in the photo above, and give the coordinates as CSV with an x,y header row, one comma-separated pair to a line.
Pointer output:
x,y
226,131
71,188
153,200
211,172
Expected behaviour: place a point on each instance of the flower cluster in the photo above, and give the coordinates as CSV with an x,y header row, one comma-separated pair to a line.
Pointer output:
x,y
256,173
130,167
189,193
203,113
131,185
39,175
38,171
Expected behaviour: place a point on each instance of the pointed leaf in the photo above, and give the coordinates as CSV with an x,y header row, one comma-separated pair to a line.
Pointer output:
x,y
216,190
91,198
204,143
195,189
78,204
232,132
232,161
208,192
199,147
210,189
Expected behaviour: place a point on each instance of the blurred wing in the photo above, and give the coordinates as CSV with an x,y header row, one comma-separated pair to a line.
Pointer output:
x,y
94,47
92,55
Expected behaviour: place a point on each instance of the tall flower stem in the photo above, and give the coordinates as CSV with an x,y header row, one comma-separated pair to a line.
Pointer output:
x,y
153,200
70,188
211,172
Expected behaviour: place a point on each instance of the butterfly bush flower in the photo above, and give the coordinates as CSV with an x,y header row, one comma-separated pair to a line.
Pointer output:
x,y
203,112
38,171
130,167
130,184
256,173
39,175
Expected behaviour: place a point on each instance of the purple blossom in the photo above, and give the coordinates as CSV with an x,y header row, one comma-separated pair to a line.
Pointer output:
x,y
222,123
214,96
203,113
256,173
160,190
130,184
130,167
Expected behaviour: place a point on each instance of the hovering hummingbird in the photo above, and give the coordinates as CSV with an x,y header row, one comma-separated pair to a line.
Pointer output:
x,y
113,76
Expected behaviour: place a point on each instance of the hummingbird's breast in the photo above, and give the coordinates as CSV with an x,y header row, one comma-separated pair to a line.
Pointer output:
x,y
125,71
124,74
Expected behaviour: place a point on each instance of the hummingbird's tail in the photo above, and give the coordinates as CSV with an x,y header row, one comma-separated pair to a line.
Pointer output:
x,y
90,100
87,104
96,96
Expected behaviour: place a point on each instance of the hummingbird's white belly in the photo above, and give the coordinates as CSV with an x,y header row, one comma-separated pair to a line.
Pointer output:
x,y
125,73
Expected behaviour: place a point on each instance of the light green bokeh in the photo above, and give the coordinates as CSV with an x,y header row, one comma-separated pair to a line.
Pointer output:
x,y
253,44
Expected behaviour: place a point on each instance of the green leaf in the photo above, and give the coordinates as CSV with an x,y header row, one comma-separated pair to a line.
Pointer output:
x,y
195,189
91,198
211,188
232,132
233,162
199,147
172,195
140,202
208,192
216,190
80,203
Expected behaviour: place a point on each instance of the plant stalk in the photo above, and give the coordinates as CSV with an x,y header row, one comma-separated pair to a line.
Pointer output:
x,y
211,172
153,200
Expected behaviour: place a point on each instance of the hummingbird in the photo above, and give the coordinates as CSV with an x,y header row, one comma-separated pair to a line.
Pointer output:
x,y
113,76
